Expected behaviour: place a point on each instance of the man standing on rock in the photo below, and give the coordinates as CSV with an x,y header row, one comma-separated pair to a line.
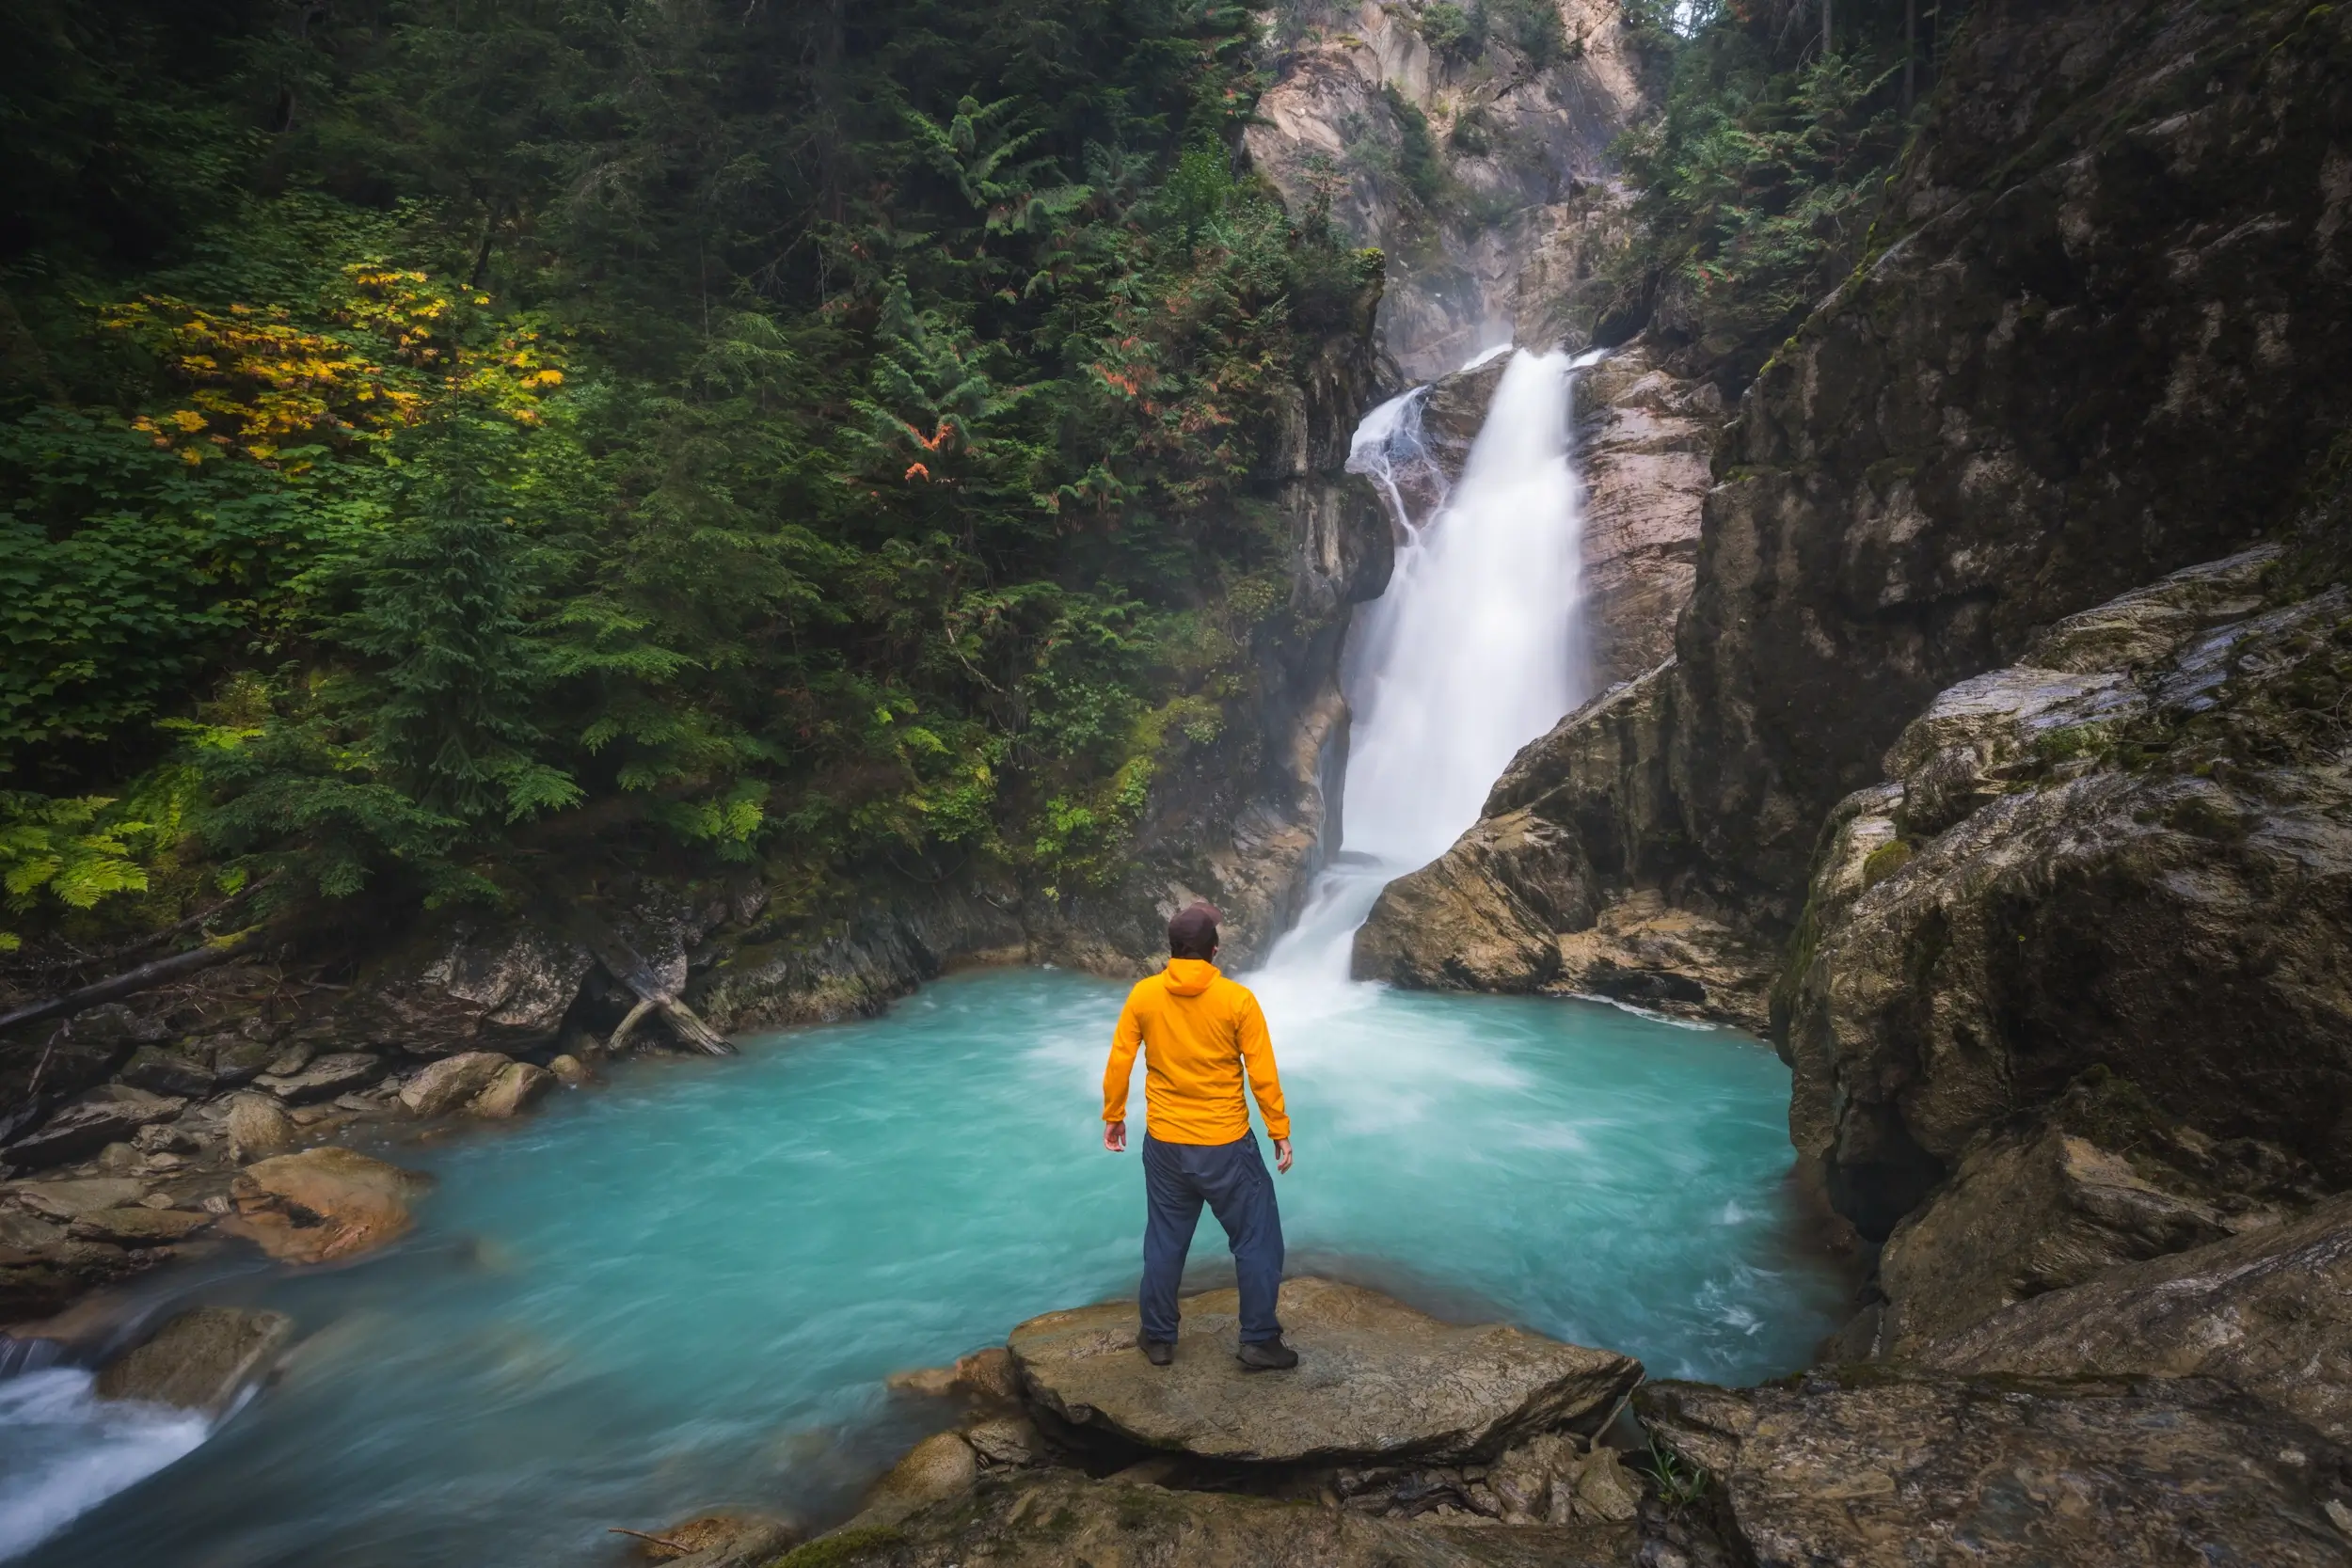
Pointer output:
x,y
1199,1031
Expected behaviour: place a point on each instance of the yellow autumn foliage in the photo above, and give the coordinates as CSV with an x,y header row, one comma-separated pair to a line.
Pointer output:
x,y
259,383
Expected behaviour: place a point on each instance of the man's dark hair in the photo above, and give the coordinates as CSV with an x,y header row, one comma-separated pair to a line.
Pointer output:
x,y
1192,934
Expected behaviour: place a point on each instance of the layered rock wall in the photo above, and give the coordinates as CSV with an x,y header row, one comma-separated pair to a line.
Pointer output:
x,y
1519,171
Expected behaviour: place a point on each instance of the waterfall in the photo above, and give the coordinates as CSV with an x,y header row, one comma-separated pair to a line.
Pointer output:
x,y
1476,648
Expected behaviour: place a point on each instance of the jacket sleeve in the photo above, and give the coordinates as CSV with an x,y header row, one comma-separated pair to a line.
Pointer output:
x,y
1124,1040
1257,1053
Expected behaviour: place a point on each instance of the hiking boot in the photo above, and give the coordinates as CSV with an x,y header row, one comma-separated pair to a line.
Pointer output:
x,y
1158,1352
1268,1356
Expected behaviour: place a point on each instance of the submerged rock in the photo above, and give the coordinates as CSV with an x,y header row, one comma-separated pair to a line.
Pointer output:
x,y
1375,1381
1058,1518
720,1541
323,1204
2270,1310
200,1360
1865,1468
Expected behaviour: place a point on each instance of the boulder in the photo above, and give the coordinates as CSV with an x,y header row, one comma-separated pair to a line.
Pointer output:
x,y
985,1373
2078,870
1862,1468
571,1071
941,1466
1004,1440
68,1057
989,1373
324,1077
440,1088
1481,916
2270,1310
1645,953
1056,1518
323,1204
2041,1207
258,1127
512,1092
109,1113
68,1200
1551,1477
160,1071
240,1060
200,1360
1376,1381
471,987
140,1225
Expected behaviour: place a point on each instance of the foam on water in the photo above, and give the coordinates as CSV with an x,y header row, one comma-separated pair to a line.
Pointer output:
x,y
63,1452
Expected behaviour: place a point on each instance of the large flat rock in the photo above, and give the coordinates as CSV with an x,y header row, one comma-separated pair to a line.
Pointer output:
x,y
1058,1518
1864,1469
1375,1381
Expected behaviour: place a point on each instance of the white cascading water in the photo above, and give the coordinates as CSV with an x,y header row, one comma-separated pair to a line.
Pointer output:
x,y
1476,648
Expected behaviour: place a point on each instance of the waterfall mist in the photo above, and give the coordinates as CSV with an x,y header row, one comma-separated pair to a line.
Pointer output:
x,y
1476,648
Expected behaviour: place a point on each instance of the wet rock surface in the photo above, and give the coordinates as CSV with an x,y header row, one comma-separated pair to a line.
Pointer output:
x,y
720,1541
1375,1381
1053,1518
1869,1468
2143,869
201,1359
2270,1310
323,1205
106,1115
2096,1180
1643,440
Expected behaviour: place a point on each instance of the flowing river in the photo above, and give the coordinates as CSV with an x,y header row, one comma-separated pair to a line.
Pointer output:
x,y
685,1289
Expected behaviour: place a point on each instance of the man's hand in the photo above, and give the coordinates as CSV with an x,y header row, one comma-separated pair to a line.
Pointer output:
x,y
1281,1154
1115,1137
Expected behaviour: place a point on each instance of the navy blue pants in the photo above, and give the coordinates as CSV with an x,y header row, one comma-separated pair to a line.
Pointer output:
x,y
1233,1180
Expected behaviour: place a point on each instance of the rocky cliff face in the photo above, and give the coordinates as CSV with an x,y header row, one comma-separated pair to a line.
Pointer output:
x,y
2104,342
2130,852
1517,172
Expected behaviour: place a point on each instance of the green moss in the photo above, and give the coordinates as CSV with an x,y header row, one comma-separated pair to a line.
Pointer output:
x,y
842,1548
1885,860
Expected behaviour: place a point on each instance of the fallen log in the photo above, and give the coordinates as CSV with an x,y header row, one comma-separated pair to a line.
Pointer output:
x,y
130,982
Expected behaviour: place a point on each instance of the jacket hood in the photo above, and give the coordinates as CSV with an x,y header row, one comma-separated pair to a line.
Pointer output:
x,y
1189,977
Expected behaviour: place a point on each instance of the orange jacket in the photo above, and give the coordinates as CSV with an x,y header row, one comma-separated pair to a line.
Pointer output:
x,y
1197,1029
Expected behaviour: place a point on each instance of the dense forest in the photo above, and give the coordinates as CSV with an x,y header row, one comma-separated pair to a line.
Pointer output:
x,y
790,430
440,434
